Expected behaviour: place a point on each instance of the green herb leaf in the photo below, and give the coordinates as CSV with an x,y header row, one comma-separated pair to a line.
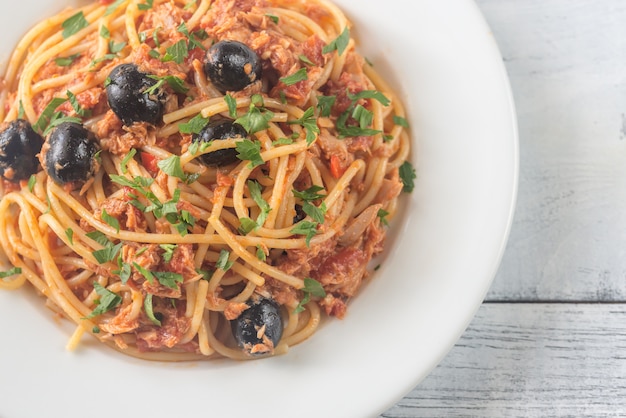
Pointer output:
x,y
370,94
340,43
145,6
74,24
168,251
177,52
105,32
126,159
11,272
69,233
31,182
111,8
147,306
108,300
305,59
296,77
325,104
145,273
311,288
306,228
309,123
407,175
110,220
382,214
400,121
48,112
255,120
249,150
272,17
222,262
260,254
116,47
171,166
125,272
59,118
66,61
76,106
232,105
255,192
317,214
194,126
100,238
309,194
177,84
247,226
108,253
20,110
168,278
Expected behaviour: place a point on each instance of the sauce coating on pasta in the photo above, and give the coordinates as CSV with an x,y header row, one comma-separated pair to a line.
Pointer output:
x,y
205,178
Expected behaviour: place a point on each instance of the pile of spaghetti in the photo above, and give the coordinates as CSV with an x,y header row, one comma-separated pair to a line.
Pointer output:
x,y
196,179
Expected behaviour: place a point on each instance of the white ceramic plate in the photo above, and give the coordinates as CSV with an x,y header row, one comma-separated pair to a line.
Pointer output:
x,y
441,257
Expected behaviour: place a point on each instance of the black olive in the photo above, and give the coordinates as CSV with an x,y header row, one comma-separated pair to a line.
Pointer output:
x,y
262,315
216,130
69,153
129,96
300,215
19,146
232,65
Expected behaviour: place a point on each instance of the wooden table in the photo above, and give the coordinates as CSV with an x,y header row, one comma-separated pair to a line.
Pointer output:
x,y
550,337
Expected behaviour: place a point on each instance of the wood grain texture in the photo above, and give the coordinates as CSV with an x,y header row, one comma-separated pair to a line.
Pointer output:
x,y
566,60
538,360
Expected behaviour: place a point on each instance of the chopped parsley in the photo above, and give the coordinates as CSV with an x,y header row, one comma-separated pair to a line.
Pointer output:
x,y
194,126
306,228
44,119
400,121
407,175
145,6
272,17
260,253
108,300
296,77
11,272
177,84
126,159
76,106
171,166
222,262
105,32
305,59
110,220
108,253
31,182
168,251
309,194
316,213
69,233
147,306
168,278
340,43
66,61
74,24
325,104
111,8
309,122
250,150
177,52
256,119
311,288
382,214
232,105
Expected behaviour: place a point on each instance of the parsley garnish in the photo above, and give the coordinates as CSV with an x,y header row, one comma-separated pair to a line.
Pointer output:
x,y
382,214
11,272
74,24
100,238
110,220
255,120
325,104
305,59
107,254
20,110
46,115
168,251
249,150
296,77
400,121
111,8
147,306
306,228
309,122
126,159
168,278
116,47
340,43
69,233
311,288
177,52
177,84
31,182
105,32
273,18
232,105
66,61
317,214
194,38
171,166
260,253
194,126
407,175
108,300
247,225
370,94
76,106
145,6
145,273
222,262
309,194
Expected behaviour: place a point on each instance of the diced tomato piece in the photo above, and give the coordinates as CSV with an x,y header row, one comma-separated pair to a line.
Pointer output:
x,y
149,161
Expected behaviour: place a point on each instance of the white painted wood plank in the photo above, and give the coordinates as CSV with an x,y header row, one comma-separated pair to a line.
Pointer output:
x,y
530,360
567,63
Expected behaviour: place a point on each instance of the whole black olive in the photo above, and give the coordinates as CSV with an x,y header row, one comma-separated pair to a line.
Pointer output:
x,y
216,130
69,153
19,146
232,65
258,325
129,95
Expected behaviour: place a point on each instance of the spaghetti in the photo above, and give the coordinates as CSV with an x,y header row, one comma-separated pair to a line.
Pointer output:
x,y
215,176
